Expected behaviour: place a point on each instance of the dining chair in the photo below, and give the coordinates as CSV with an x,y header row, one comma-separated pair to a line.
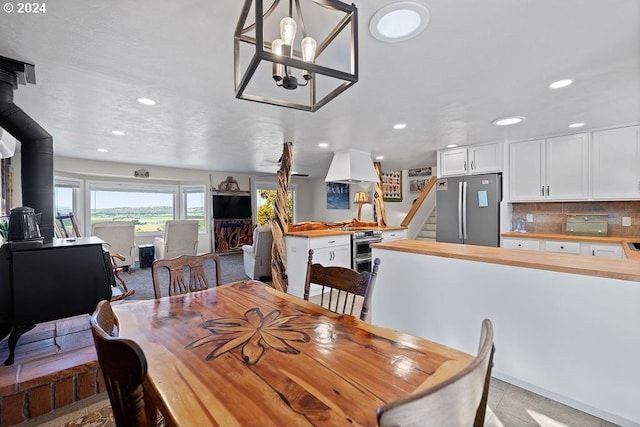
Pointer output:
x,y
341,286
177,276
124,367
458,401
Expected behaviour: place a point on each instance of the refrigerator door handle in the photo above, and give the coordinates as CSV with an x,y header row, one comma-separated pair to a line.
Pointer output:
x,y
464,210
460,210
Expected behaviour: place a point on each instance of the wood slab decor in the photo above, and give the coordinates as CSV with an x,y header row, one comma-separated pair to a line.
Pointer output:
x,y
246,354
379,212
281,220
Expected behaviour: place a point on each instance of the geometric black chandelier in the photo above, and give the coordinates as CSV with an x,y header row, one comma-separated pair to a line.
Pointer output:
x,y
293,62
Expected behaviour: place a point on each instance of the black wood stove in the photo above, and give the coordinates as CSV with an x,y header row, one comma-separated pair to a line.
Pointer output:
x,y
60,279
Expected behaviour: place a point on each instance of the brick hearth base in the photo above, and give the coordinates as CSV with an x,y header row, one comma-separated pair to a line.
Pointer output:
x,y
55,365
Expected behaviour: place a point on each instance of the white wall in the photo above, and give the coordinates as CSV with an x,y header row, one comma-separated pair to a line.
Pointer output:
x,y
395,211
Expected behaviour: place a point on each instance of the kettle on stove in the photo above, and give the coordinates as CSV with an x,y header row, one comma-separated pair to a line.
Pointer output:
x,y
23,224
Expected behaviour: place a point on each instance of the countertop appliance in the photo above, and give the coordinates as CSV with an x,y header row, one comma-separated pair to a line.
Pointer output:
x,y
468,209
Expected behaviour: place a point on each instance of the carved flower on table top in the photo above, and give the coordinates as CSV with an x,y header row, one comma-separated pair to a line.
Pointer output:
x,y
255,333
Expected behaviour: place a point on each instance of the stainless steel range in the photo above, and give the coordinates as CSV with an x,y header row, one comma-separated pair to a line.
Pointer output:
x,y
361,252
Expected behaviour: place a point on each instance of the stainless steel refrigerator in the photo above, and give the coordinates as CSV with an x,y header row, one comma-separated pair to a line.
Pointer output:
x,y
468,209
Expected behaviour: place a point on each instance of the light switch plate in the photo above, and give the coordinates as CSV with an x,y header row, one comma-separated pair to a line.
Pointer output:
x,y
626,221
529,217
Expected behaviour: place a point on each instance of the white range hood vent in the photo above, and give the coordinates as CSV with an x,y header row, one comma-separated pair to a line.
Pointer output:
x,y
351,166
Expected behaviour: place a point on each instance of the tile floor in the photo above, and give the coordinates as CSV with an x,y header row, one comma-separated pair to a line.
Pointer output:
x,y
509,406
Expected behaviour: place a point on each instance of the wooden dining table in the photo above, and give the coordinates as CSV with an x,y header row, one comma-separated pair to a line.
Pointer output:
x,y
247,354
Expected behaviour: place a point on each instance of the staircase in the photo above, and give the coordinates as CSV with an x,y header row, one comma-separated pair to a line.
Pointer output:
x,y
428,232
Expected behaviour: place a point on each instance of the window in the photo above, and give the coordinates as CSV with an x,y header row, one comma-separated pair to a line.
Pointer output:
x,y
193,204
265,196
66,192
147,206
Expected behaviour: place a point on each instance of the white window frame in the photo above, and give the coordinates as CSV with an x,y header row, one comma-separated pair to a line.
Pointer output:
x,y
194,188
269,185
77,207
133,187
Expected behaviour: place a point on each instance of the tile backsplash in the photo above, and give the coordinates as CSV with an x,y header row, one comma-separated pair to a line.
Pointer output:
x,y
551,217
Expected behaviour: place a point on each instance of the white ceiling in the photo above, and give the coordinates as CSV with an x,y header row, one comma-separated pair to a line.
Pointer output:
x,y
477,61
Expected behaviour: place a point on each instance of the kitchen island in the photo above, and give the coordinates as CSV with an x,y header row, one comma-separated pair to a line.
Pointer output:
x,y
566,326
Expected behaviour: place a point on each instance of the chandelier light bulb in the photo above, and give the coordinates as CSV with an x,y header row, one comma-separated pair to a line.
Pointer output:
x,y
276,48
288,28
308,46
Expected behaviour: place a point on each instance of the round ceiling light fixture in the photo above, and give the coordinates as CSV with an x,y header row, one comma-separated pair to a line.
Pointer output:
x,y
146,101
508,121
576,125
399,21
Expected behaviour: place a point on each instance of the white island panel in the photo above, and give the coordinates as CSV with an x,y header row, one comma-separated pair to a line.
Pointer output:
x,y
571,337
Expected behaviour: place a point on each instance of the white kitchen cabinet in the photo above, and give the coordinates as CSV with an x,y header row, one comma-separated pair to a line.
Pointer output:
x,y
394,235
470,160
334,250
550,169
528,244
603,250
616,163
562,247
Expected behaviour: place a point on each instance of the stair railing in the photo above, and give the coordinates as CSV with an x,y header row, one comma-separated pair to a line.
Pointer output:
x,y
416,205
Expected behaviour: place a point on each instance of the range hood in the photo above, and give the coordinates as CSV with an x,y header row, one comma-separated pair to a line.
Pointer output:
x,y
350,166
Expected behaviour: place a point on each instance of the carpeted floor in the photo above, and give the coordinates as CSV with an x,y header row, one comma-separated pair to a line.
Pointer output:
x,y
139,279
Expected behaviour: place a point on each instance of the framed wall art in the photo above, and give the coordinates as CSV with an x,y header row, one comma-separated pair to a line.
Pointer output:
x,y
337,195
418,178
392,186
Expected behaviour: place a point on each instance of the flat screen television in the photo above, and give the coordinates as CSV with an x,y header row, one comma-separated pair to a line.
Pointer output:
x,y
231,206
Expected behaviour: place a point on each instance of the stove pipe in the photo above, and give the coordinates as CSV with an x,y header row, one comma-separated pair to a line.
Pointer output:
x,y
36,143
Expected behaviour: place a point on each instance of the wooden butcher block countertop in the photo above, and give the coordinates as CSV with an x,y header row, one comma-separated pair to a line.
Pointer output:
x,y
624,269
336,232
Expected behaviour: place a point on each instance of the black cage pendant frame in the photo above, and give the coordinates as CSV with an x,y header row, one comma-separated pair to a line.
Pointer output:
x,y
263,52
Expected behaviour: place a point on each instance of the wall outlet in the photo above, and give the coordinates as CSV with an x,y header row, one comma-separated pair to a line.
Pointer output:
x,y
529,217
626,221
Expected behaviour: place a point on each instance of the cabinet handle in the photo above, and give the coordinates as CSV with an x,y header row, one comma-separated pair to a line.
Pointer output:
x,y
547,190
473,166
331,241
465,166
593,252
542,190
519,245
561,247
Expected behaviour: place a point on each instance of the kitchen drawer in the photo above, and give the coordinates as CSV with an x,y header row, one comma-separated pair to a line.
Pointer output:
x,y
560,246
329,241
394,235
529,244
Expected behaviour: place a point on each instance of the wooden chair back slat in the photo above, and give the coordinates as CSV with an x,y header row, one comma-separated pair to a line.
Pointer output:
x,y
345,282
124,367
177,278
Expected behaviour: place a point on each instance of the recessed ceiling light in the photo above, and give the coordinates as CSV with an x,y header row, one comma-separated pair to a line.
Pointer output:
x,y
146,101
452,145
399,21
400,126
103,150
576,125
560,83
379,157
507,121
117,132
323,145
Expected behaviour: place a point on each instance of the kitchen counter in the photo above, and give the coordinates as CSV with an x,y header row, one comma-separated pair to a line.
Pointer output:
x,y
624,269
336,232
566,325
633,255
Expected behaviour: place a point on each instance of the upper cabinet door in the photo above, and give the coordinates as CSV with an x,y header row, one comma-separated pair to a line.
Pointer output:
x,y
452,162
485,158
616,163
567,168
526,171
